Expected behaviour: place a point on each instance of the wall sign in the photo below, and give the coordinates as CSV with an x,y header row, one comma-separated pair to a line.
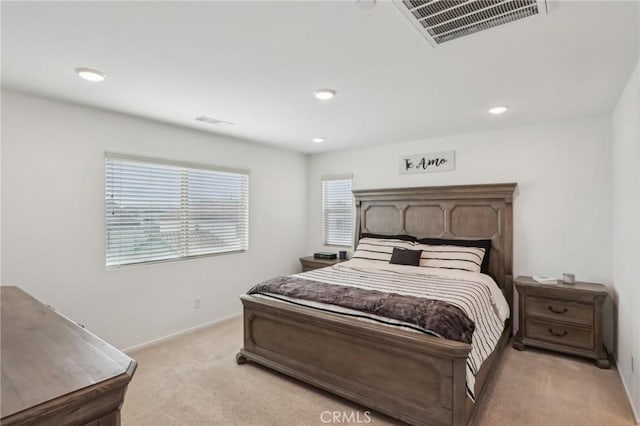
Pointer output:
x,y
425,163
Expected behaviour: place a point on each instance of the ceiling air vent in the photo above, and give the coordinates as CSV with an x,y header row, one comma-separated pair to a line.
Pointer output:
x,y
440,21
210,120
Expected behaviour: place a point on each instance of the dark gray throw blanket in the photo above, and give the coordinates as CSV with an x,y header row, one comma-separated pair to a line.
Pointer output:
x,y
430,316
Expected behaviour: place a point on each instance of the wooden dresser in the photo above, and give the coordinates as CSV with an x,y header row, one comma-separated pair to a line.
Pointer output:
x,y
310,263
54,372
562,317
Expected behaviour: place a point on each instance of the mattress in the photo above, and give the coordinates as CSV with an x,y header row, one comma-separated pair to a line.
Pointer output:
x,y
474,293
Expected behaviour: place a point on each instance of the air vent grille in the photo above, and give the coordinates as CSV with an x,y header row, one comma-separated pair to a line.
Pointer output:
x,y
445,20
210,120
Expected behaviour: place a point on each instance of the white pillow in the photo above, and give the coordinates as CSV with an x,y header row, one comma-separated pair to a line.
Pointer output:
x,y
379,249
451,257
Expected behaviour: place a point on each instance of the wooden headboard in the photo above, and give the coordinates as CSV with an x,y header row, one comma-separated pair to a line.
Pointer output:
x,y
461,211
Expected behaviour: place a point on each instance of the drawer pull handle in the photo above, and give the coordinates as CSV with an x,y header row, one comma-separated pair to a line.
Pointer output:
x,y
563,311
564,333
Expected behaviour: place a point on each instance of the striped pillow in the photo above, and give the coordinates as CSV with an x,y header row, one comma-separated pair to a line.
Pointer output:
x,y
451,257
379,249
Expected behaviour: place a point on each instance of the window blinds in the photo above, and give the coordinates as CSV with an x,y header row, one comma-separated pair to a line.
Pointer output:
x,y
158,211
337,212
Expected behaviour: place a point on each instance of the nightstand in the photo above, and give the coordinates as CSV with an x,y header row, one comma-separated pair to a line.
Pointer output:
x,y
310,263
562,317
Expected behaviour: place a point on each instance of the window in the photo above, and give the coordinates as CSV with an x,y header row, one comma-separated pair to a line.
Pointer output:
x,y
337,211
158,211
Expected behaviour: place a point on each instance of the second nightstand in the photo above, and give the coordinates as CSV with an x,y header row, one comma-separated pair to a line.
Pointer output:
x,y
562,317
310,263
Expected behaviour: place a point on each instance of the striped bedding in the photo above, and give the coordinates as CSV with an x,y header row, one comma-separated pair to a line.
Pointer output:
x,y
432,256
451,257
476,294
379,250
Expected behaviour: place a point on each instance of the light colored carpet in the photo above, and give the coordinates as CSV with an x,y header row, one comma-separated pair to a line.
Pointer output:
x,y
194,380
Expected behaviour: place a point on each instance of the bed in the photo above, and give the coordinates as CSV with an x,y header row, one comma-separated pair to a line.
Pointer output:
x,y
414,377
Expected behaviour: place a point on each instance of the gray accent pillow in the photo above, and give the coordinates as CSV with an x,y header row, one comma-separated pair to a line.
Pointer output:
x,y
405,257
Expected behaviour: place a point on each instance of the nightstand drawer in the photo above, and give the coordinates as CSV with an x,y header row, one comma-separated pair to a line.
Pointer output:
x,y
310,266
559,310
550,331
560,293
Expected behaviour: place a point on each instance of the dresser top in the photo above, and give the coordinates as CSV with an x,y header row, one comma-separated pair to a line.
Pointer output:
x,y
46,356
578,286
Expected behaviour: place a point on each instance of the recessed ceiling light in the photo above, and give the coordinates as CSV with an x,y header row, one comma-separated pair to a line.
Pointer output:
x,y
499,110
324,94
90,75
318,140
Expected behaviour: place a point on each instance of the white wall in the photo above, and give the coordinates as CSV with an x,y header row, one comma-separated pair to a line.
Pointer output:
x,y
626,232
562,206
562,209
53,220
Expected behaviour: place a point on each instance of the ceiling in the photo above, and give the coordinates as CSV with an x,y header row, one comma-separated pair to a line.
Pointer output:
x,y
256,64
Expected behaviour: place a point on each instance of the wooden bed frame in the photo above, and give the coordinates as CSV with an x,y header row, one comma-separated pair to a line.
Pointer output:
x,y
415,378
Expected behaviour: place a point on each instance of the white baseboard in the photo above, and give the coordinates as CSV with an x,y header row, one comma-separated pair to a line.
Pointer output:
x,y
178,334
626,390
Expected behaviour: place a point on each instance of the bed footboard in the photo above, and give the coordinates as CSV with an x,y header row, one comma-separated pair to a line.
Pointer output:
x,y
415,378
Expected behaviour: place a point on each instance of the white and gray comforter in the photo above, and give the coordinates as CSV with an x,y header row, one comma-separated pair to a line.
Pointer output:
x,y
474,293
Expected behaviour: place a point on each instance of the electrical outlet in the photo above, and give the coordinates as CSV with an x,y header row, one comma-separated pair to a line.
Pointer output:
x,y
196,303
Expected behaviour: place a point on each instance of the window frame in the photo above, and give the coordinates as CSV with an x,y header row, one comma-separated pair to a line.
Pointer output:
x,y
191,166
341,177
